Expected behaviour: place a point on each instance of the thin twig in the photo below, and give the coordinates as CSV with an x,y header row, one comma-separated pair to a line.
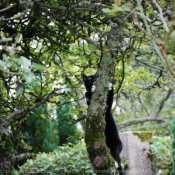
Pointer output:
x,y
163,102
161,16
4,9
30,108
143,105
12,73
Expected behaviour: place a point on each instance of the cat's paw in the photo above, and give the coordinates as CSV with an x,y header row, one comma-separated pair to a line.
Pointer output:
x,y
116,164
110,86
93,88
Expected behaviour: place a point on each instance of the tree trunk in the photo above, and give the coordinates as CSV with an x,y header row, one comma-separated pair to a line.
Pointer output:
x,y
6,155
99,153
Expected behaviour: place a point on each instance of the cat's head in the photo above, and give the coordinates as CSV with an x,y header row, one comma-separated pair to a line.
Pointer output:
x,y
88,81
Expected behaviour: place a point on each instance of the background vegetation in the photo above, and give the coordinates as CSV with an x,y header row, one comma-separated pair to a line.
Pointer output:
x,y
45,46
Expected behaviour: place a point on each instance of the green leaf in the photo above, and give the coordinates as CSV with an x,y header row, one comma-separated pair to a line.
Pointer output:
x,y
106,10
126,7
92,47
25,62
2,63
18,38
38,67
74,111
112,11
29,76
19,88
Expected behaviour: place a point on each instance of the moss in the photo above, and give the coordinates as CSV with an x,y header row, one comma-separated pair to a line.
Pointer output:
x,y
6,153
6,146
144,136
96,133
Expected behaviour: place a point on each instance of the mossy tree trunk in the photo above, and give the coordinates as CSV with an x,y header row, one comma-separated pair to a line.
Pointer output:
x,y
99,153
6,155
173,146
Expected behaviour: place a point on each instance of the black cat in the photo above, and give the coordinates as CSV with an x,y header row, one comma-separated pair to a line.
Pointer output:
x,y
111,132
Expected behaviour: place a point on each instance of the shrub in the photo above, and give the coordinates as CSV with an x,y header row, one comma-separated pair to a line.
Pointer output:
x,y
41,132
161,149
68,159
45,133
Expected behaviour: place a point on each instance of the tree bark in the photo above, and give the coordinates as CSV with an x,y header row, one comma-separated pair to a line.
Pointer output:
x,y
99,153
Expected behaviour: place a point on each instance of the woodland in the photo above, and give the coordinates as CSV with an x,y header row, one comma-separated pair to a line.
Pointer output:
x,y
46,46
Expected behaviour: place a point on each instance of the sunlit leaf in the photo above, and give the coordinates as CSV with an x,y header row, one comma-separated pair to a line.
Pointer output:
x,y
25,62
51,69
38,67
106,10
74,111
118,2
42,116
16,16
29,76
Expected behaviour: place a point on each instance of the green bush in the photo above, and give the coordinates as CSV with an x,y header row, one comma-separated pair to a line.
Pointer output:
x,y
161,150
70,159
45,130
15,172
67,131
41,132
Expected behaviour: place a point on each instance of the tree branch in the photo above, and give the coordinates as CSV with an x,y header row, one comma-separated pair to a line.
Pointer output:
x,y
155,83
143,105
4,9
161,16
142,120
23,157
30,108
163,102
